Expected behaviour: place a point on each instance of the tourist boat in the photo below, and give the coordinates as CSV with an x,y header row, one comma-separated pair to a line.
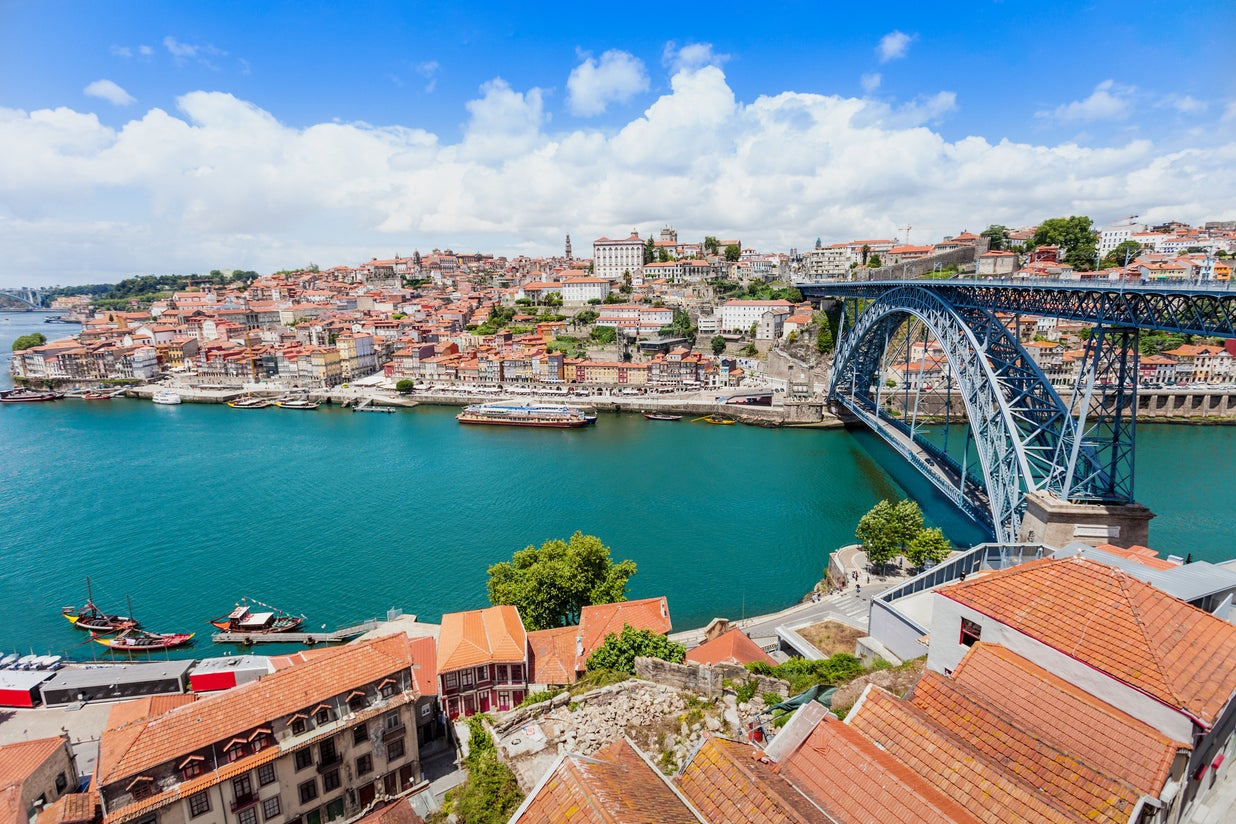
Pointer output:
x,y
716,420
166,397
23,395
91,618
96,396
138,640
249,402
297,403
660,416
526,414
244,619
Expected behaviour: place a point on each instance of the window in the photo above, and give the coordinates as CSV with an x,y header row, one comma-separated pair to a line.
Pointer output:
x,y
322,716
327,754
359,734
334,809
261,740
425,708
970,632
242,788
308,791
266,774
394,749
304,758
61,783
247,816
142,787
235,752
465,678
199,804
517,672
330,781
270,808
451,681
364,764
391,720
192,766
388,688
298,725
482,674
357,701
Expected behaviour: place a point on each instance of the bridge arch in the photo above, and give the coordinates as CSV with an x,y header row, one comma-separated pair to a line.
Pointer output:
x,y
1021,428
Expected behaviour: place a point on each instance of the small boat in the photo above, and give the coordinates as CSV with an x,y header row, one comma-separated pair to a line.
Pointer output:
x,y
25,662
166,397
249,402
8,660
716,420
93,619
95,396
297,403
659,416
244,619
47,662
23,395
138,640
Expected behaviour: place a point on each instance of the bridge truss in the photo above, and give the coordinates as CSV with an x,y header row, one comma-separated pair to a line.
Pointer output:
x,y
1021,436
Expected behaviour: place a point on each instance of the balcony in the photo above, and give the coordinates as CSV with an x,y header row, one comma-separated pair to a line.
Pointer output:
x,y
329,762
244,801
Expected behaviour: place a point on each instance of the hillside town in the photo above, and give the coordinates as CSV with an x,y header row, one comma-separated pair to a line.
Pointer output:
x,y
652,314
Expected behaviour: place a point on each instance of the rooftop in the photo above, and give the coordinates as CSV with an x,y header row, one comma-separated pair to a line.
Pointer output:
x,y
480,636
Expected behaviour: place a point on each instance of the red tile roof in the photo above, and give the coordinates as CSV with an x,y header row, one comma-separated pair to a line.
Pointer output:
x,y
728,782
598,621
1067,717
734,647
19,761
616,786
1128,629
552,655
1074,785
481,636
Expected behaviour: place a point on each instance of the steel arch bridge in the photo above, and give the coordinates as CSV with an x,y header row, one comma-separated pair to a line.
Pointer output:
x,y
30,297
1022,433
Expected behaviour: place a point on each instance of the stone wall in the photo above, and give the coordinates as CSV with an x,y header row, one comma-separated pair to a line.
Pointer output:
x,y
962,257
704,679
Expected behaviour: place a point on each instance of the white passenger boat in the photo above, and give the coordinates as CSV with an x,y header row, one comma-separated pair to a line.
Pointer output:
x,y
166,397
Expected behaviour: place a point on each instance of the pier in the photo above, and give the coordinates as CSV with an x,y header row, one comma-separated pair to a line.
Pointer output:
x,y
310,638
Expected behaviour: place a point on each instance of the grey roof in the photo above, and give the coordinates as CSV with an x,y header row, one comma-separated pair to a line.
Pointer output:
x,y
23,679
95,675
1188,582
261,663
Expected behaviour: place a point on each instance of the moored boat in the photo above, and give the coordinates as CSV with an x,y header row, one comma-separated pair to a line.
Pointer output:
x,y
93,619
166,397
270,620
96,396
249,402
526,414
297,403
138,640
23,395
717,420
660,416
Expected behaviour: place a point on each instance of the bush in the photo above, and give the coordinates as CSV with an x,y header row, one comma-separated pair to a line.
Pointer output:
x,y
539,697
619,652
405,386
490,793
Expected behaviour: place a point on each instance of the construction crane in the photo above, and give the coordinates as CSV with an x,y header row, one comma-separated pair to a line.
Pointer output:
x,y
908,227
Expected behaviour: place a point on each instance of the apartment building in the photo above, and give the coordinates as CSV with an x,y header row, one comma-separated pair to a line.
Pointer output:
x,y
612,258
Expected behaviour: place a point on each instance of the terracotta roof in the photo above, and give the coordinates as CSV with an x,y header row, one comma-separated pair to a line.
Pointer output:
x,y
854,780
481,636
972,780
734,647
615,786
19,761
1077,787
147,743
1121,626
552,655
425,664
598,621
399,812
728,782
72,808
1068,717
1143,555
139,709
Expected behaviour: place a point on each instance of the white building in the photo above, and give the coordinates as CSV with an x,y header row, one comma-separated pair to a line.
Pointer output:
x,y
635,318
828,262
583,289
612,258
738,315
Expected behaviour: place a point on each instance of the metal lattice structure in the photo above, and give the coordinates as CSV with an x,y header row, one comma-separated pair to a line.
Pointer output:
x,y
1024,436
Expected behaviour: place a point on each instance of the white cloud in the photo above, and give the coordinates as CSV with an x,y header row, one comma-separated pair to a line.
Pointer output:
x,y
690,57
1109,101
219,182
893,46
594,84
870,82
145,51
183,52
122,51
109,91
429,71
1185,104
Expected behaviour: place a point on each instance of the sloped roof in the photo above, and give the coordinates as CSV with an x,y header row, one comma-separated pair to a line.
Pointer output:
x,y
1068,717
551,655
1074,785
20,760
973,781
597,621
139,709
149,742
733,647
616,786
727,781
481,636
1121,626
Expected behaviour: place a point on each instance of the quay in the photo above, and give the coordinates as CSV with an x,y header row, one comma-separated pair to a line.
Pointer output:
x,y
310,638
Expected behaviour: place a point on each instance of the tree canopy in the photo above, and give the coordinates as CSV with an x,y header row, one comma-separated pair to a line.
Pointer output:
x,y
732,252
887,528
551,584
998,235
711,244
718,344
619,652
928,546
874,261
1125,250
29,341
1075,235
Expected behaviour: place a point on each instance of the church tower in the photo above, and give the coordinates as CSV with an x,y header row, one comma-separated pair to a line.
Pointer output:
x,y
569,256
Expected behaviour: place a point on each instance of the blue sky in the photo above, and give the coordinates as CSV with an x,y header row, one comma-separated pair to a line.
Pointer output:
x,y
159,136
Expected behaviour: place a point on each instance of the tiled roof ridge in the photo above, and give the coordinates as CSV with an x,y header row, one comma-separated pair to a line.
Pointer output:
x,y
1123,579
961,745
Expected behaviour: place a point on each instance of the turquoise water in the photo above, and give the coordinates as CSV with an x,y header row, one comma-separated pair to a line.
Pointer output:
x,y
341,516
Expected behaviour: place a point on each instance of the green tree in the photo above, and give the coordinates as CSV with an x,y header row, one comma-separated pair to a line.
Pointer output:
x,y
1125,250
662,255
718,345
866,251
887,528
997,234
1075,235
874,261
711,244
552,583
490,793
732,252
749,351
650,250
604,334
29,341
405,386
929,545
824,343
619,652
586,317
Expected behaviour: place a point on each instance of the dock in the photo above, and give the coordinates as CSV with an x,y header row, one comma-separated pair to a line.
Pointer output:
x,y
310,638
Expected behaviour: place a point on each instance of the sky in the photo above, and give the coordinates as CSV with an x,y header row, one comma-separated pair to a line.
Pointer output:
x,y
176,137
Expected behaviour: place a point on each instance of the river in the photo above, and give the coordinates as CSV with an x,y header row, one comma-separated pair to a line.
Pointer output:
x,y
341,516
